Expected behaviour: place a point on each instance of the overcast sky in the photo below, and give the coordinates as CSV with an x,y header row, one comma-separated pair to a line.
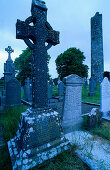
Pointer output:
x,y
70,17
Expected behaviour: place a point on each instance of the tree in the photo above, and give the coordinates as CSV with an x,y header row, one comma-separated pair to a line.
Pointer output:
x,y
23,65
71,62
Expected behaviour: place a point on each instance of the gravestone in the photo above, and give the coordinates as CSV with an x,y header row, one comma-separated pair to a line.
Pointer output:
x,y
39,135
97,63
49,91
72,119
61,88
9,68
61,91
13,92
105,96
92,85
28,90
85,82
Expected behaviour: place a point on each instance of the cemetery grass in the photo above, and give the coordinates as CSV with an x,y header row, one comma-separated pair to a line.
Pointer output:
x,y
91,99
55,91
103,130
10,120
22,93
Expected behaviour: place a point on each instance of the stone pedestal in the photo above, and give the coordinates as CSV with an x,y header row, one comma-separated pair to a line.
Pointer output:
x,y
39,138
72,119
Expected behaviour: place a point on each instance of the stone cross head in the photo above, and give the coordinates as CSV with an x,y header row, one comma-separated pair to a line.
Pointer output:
x,y
9,51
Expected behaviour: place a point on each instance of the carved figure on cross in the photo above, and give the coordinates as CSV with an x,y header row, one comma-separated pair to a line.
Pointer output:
x,y
9,51
36,32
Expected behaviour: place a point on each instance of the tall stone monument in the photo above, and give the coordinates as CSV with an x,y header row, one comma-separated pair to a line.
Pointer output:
x,y
97,63
39,135
9,68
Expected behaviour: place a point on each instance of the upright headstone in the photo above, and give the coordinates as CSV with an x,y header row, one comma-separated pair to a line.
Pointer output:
x,y
85,82
28,90
61,88
13,92
72,119
61,91
105,96
9,68
92,85
49,91
97,63
39,135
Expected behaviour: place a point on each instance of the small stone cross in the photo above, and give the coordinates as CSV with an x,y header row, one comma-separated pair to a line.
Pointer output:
x,y
9,50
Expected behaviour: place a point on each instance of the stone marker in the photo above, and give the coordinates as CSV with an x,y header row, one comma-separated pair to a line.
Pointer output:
x,y
9,68
61,88
27,91
97,63
61,91
92,86
49,91
72,119
39,136
105,96
13,92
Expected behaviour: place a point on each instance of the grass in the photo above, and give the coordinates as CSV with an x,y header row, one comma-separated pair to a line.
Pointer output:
x,y
55,91
10,120
103,130
91,99
22,93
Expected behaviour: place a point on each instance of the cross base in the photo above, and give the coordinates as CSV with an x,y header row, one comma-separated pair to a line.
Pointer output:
x,y
38,139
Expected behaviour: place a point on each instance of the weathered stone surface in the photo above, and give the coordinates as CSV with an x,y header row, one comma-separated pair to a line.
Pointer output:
x,y
38,139
105,96
39,136
28,90
72,103
92,85
61,88
97,63
13,92
49,91
40,33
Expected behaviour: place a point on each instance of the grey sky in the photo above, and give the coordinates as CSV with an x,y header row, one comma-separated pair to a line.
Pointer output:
x,y
70,17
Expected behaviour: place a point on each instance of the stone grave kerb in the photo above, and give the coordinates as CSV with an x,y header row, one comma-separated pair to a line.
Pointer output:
x,y
36,36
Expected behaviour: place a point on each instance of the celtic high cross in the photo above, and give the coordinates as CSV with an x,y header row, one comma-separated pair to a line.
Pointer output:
x,y
36,32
